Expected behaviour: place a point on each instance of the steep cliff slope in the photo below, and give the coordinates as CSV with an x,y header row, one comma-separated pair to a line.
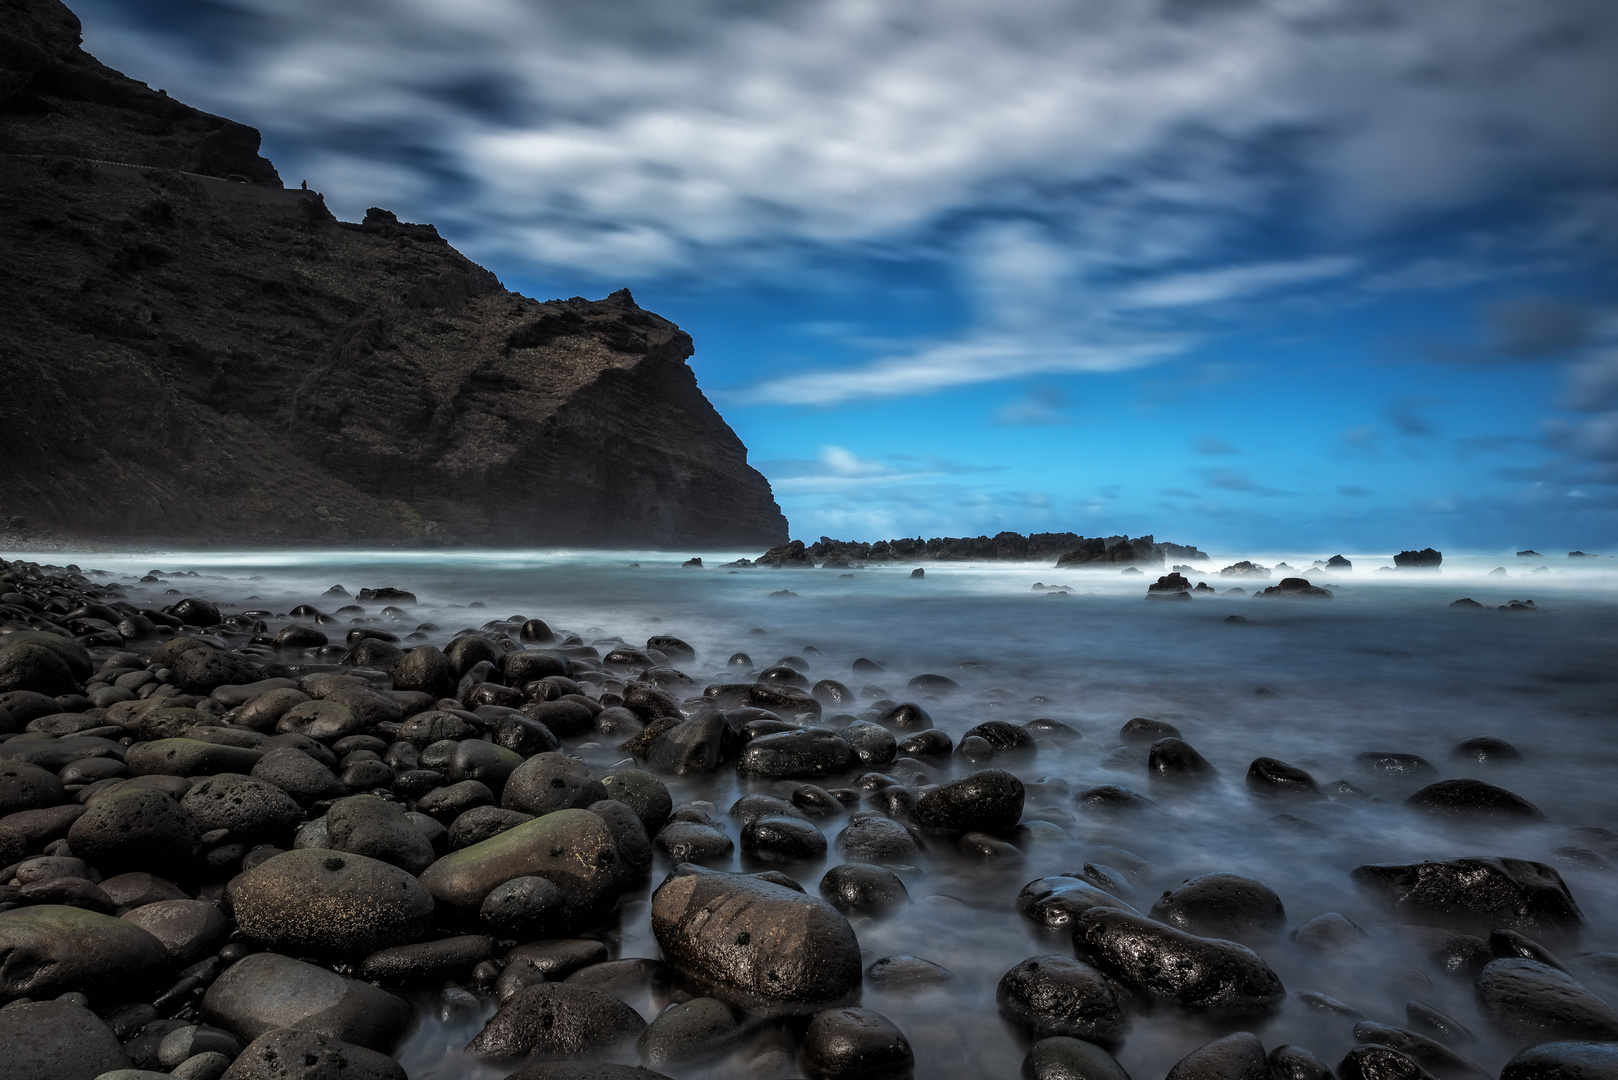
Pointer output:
x,y
190,351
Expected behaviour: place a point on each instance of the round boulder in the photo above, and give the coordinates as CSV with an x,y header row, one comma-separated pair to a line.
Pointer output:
x,y
1057,995
326,903
135,829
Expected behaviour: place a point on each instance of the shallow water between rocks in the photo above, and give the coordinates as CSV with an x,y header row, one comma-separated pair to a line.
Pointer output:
x,y
1387,665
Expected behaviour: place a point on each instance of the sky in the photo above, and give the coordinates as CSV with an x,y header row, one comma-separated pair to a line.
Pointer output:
x,y
1297,274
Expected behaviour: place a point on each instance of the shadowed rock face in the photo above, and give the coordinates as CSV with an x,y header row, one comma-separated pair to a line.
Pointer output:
x,y
368,380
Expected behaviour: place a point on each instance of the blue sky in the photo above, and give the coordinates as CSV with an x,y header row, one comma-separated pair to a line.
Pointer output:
x,y
1305,273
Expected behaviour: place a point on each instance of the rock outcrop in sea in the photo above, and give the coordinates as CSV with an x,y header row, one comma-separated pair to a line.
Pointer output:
x,y
1069,549
192,351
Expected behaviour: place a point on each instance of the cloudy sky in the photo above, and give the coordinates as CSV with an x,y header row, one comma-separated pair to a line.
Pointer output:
x,y
1285,274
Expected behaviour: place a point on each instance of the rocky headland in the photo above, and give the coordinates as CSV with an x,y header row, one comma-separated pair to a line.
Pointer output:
x,y
193,352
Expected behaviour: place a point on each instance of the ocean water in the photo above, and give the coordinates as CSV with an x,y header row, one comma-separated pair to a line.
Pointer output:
x,y
1386,665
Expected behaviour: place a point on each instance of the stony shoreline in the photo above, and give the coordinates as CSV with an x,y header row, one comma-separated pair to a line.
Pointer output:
x,y
256,844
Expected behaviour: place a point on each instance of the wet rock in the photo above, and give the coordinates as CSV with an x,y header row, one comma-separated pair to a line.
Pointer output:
x,y
778,838
556,1020
567,718
691,841
378,829
1564,1060
1396,766
1174,759
290,1054
549,782
572,849
427,961
1288,1062
1461,956
903,973
990,801
202,671
1485,750
758,945
691,1031
251,810
267,991
137,889
525,907
1433,1022
1162,962
629,839
1267,776
873,744
299,775
1053,902
876,839
135,829
1004,737
1535,1002
524,735
1329,933
1435,1057
425,669
855,1044
189,929
1222,905
36,668
53,949
1142,731
445,804
1473,799
1476,893
1506,944
1234,1057
56,1040
1056,995
480,824
1061,1057
425,729
326,903
28,787
863,889
188,757
906,716
1379,1063
1112,797
697,746
804,754
584,1070
928,743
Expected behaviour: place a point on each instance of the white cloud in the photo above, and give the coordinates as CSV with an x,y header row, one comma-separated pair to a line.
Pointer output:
x,y
718,125
1235,282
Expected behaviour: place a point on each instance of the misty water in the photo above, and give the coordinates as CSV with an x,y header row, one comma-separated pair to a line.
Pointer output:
x,y
1387,665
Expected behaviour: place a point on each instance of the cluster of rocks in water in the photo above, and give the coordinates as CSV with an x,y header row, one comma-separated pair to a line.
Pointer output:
x,y
232,852
1069,549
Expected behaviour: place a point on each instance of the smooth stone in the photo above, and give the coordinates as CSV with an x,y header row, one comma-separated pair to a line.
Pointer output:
x,y
327,903
1564,1060
525,907
1379,1063
51,949
690,841
135,829
1053,902
1474,799
24,786
584,1070
1061,1057
629,839
549,782
56,1040
291,1054
1327,933
189,929
690,1031
779,838
804,754
210,1065
903,973
643,793
696,747
1162,962
299,775
1535,1002
1268,776
427,961
1173,759
557,1020
863,889
189,757
202,671
1288,1062
1235,1057
875,839
573,849
873,744
1433,1056
1057,995
1476,893
1222,906
482,823
378,829
990,801
266,991
1143,732
755,944
138,888
854,1044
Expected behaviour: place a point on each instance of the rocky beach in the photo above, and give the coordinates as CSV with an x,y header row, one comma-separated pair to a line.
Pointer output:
x,y
501,815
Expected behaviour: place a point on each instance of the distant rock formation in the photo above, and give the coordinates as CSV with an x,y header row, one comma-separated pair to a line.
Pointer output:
x,y
1426,558
1296,588
1007,546
1245,569
1169,587
190,351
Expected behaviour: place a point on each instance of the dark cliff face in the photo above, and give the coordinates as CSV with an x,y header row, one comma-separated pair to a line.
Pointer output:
x,y
194,358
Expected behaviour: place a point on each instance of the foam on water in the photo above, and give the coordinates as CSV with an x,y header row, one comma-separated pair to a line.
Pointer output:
x,y
1385,665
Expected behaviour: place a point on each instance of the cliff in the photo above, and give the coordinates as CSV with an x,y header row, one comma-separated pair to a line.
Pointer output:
x,y
192,352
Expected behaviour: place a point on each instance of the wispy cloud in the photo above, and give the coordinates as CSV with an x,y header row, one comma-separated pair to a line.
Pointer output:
x,y
1235,282
1043,406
